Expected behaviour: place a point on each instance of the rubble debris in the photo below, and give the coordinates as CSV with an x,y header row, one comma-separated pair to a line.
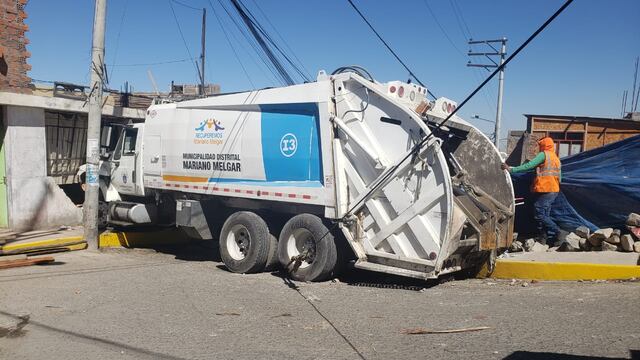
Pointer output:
x,y
583,232
552,249
635,232
599,236
517,246
626,242
538,247
636,246
571,243
633,219
6,264
420,331
528,244
608,247
613,239
585,245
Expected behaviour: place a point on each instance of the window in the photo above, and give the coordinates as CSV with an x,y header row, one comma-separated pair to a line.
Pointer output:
x,y
129,145
567,143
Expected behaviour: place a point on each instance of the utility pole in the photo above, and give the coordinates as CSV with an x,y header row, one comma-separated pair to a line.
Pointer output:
x,y
502,52
90,207
204,30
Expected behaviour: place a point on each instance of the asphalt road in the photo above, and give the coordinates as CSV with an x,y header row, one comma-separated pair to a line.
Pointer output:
x,y
183,304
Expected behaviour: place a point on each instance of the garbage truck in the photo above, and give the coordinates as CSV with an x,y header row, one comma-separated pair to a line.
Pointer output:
x,y
342,170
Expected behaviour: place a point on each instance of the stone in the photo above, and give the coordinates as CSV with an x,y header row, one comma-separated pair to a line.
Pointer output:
x,y
617,232
538,247
600,235
626,242
613,239
636,246
635,232
633,219
528,244
584,245
553,249
561,235
571,243
517,246
583,232
608,247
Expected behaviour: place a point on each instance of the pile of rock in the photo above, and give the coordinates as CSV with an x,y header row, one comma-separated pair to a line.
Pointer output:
x,y
581,239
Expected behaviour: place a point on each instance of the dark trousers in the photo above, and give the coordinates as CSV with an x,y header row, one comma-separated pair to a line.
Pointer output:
x,y
542,206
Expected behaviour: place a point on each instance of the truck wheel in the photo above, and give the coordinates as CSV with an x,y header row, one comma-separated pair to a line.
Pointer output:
x,y
244,243
306,249
272,259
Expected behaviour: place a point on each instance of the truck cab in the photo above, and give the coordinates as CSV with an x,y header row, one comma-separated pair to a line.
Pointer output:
x,y
125,163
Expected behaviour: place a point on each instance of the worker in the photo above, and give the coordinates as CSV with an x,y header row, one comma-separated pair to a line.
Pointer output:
x,y
545,187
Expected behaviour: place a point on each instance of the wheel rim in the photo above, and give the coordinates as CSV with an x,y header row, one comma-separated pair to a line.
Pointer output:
x,y
300,241
238,242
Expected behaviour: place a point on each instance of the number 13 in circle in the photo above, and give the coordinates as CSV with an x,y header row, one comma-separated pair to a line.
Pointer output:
x,y
288,145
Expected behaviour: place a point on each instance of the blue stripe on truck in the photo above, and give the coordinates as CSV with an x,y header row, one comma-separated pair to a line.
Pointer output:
x,y
290,142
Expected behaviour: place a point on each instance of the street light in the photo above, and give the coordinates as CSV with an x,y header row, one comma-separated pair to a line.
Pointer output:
x,y
476,116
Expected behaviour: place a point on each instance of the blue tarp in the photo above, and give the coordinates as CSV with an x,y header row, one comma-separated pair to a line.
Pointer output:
x,y
599,188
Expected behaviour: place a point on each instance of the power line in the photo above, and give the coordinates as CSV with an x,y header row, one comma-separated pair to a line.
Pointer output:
x,y
458,19
389,48
186,5
115,54
280,36
152,63
446,35
304,75
435,18
224,31
183,39
252,42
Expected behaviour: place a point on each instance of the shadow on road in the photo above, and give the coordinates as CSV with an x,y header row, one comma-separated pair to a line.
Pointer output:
x,y
528,355
195,250
142,353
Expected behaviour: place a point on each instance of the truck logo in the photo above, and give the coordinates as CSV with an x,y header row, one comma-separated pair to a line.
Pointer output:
x,y
216,124
288,145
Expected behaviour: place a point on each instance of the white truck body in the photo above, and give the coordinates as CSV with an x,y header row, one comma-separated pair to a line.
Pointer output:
x,y
323,146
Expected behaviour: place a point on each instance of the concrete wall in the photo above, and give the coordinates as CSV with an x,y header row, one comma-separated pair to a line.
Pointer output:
x,y
35,201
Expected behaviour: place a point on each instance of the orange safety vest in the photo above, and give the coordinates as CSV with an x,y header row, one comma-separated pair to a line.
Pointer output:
x,y
547,174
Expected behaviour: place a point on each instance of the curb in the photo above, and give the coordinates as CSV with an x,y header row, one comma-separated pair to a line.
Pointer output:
x,y
118,239
535,270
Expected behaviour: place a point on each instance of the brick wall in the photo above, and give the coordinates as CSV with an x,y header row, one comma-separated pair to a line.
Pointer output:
x,y
13,51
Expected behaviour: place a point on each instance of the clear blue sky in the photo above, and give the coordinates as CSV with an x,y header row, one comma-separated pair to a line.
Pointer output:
x,y
578,66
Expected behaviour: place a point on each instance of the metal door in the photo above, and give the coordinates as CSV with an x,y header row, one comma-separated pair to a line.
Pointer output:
x,y
124,161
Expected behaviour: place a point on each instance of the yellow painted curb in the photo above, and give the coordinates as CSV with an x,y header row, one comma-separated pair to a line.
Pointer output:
x,y
41,244
141,239
534,270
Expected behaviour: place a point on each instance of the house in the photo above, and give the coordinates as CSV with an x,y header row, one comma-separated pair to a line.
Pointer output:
x,y
571,134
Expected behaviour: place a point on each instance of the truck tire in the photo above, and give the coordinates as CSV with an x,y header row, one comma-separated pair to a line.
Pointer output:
x,y
244,243
306,234
272,259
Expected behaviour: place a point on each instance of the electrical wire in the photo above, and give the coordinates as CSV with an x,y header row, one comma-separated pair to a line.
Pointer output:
x,y
252,42
115,54
152,63
226,35
485,94
389,47
458,15
186,5
281,37
269,38
184,41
